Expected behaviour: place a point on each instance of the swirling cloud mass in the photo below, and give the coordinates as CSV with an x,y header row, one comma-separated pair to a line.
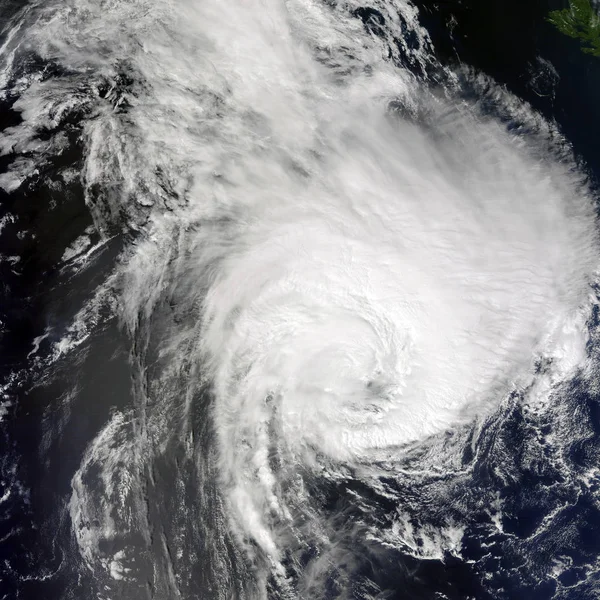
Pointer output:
x,y
349,260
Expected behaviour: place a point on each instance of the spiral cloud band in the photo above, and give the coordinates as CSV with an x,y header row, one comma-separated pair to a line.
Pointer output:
x,y
358,261
393,294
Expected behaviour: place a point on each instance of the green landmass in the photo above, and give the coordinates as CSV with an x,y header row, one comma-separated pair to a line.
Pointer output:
x,y
579,21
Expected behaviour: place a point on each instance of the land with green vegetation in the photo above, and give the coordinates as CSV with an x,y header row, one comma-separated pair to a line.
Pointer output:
x,y
580,21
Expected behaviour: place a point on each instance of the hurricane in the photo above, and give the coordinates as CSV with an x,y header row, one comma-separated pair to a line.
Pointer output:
x,y
340,269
